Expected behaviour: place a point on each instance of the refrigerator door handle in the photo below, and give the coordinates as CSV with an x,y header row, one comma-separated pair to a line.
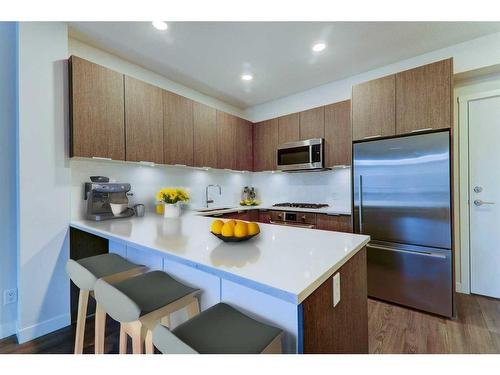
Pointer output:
x,y
425,254
360,209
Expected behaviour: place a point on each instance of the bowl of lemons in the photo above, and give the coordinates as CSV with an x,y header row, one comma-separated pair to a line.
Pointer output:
x,y
234,230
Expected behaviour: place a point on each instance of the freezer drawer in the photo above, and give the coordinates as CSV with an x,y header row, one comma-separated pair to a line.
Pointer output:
x,y
421,278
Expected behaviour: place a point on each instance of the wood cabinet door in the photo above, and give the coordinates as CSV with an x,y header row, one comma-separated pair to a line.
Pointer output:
x,y
177,129
338,134
424,97
373,108
341,223
143,121
312,123
264,217
226,138
288,128
243,145
205,136
265,143
97,111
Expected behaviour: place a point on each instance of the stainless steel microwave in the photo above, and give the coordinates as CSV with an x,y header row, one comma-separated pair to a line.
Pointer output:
x,y
301,155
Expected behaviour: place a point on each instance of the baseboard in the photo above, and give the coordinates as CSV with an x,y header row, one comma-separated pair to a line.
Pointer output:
x,y
7,329
459,289
40,329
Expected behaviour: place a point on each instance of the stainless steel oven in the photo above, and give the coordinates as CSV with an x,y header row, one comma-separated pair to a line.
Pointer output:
x,y
301,155
295,219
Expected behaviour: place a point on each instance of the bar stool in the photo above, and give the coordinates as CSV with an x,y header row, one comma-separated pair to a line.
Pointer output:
x,y
85,273
140,302
219,330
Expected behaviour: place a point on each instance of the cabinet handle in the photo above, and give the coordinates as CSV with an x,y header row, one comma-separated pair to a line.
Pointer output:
x,y
420,130
372,136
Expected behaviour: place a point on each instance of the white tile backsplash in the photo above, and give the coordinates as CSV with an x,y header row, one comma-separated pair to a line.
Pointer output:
x,y
146,181
332,187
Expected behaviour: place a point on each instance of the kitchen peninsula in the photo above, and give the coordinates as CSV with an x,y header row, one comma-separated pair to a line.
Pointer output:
x,y
283,276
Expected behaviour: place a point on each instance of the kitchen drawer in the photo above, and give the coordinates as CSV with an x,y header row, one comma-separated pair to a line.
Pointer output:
x,y
419,279
337,223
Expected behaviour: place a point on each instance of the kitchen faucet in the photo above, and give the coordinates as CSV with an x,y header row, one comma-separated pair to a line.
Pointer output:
x,y
207,201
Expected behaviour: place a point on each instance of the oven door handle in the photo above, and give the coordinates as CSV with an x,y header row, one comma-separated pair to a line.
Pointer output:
x,y
307,226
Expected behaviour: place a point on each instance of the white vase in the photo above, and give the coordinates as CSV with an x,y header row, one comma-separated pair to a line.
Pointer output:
x,y
172,210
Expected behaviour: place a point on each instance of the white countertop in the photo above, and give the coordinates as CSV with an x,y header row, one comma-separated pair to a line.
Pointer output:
x,y
289,263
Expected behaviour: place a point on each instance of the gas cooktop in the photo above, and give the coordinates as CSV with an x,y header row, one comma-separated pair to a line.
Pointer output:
x,y
301,205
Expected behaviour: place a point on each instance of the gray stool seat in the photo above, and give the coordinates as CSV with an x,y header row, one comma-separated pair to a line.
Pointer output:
x,y
85,272
128,300
219,330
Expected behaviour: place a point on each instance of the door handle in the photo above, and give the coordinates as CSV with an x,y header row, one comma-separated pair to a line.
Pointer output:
x,y
479,202
360,208
419,253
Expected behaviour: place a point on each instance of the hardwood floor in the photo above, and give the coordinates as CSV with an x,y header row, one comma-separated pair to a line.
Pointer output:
x,y
392,330
476,329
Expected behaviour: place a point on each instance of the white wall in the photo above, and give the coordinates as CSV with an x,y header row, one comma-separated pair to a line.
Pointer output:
x,y
331,187
146,181
44,179
111,61
8,227
474,54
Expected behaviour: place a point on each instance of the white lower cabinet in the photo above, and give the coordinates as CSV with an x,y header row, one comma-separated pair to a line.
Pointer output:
x,y
152,260
265,308
117,248
208,284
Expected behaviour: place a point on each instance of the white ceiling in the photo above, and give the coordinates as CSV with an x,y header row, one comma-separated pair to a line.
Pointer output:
x,y
211,56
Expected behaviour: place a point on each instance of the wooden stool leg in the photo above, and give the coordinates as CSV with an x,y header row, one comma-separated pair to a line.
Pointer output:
x,y
137,338
165,321
123,340
193,308
83,300
100,325
149,342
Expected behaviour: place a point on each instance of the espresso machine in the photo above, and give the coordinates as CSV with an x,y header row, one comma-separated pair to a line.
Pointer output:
x,y
100,193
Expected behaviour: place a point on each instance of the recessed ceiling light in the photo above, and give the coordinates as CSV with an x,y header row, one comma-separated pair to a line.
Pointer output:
x,y
246,77
160,25
318,47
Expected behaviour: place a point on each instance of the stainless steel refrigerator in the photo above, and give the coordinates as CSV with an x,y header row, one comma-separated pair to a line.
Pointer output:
x,y
402,197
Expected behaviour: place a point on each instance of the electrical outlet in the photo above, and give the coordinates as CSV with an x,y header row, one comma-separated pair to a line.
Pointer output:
x,y
336,289
9,296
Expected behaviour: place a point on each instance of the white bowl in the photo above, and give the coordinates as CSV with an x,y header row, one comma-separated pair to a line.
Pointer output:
x,y
118,208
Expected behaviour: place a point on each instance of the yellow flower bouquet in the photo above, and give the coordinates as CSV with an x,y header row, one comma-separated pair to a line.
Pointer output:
x,y
172,195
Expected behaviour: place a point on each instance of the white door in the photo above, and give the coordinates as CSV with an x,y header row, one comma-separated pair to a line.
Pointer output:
x,y
484,203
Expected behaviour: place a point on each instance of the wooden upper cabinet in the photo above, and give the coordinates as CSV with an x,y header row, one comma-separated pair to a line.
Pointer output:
x,y
243,145
312,123
338,134
143,121
234,142
373,108
205,136
288,128
226,138
265,143
97,111
424,97
177,129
